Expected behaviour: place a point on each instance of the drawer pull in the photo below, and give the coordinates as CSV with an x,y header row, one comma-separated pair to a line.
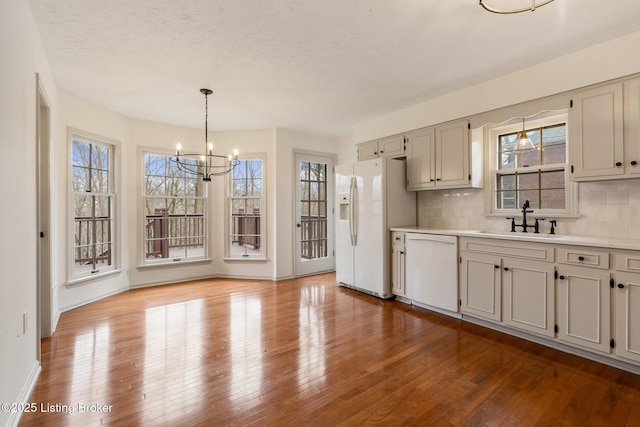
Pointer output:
x,y
561,277
506,269
496,266
620,285
618,164
581,258
633,163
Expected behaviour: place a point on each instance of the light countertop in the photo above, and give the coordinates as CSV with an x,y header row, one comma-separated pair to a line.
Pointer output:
x,y
559,239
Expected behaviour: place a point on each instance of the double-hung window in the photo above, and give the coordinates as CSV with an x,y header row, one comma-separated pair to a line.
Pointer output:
x,y
246,213
535,171
93,199
174,209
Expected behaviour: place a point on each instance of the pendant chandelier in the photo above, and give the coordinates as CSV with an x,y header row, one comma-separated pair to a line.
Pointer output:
x,y
532,7
524,142
206,164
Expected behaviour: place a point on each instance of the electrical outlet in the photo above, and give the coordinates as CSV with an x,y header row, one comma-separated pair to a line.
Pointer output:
x,y
25,322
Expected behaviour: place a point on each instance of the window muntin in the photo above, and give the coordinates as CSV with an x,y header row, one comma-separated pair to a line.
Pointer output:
x,y
174,212
537,174
246,209
93,202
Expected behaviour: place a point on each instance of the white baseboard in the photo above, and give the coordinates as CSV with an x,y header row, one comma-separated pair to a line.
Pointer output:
x,y
26,392
83,303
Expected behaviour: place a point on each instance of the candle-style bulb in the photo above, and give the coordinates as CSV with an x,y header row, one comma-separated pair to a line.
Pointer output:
x,y
178,147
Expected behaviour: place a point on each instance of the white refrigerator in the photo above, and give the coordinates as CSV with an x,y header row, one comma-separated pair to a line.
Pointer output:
x,y
371,198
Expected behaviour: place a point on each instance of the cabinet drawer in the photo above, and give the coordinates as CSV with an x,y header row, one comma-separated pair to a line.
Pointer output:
x,y
532,251
579,256
397,237
628,261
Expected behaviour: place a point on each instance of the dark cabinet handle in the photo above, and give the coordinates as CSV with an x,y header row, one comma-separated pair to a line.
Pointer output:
x,y
561,277
381,151
620,285
375,152
618,164
581,258
401,253
437,179
506,269
633,163
496,266
431,180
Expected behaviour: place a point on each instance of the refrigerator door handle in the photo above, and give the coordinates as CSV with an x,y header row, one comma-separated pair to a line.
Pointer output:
x,y
352,213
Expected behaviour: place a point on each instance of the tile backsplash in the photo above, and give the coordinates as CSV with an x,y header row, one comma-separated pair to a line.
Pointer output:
x,y
609,209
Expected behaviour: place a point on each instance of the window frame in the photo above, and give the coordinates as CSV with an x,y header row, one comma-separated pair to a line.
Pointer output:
x,y
492,134
75,276
262,255
145,262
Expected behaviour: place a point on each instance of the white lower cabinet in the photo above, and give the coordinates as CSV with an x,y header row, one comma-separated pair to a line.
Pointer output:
x,y
528,296
481,286
398,264
584,307
627,306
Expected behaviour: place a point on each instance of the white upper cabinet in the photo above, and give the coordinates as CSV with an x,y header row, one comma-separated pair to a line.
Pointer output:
x,y
393,146
438,157
452,155
421,160
596,133
632,127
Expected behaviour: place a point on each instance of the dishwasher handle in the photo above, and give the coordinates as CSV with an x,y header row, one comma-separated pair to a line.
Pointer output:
x,y
442,238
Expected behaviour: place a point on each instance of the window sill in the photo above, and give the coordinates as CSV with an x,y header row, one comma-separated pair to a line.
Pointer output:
x,y
532,215
94,277
248,259
180,263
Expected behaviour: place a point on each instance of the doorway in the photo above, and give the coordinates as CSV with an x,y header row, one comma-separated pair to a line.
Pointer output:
x,y
43,204
314,247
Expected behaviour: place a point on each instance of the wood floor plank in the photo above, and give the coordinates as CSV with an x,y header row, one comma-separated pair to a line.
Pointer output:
x,y
230,352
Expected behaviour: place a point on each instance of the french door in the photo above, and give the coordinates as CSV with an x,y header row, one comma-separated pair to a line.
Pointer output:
x,y
314,247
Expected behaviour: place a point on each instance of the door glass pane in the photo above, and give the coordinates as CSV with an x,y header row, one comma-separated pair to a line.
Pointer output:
x,y
313,198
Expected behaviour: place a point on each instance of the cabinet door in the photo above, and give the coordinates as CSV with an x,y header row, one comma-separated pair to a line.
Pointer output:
x,y
480,286
584,307
596,133
452,155
528,296
391,147
627,297
632,127
368,150
398,269
421,172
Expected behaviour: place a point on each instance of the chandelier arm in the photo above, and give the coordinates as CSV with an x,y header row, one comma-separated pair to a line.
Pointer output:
x,y
533,7
183,167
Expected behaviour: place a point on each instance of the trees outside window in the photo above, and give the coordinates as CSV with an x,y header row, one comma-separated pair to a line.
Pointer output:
x,y
93,196
246,219
174,212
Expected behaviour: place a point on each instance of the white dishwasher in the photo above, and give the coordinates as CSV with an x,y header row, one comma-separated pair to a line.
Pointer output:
x,y
432,270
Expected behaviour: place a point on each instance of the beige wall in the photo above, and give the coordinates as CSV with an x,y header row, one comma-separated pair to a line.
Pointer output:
x,y
22,57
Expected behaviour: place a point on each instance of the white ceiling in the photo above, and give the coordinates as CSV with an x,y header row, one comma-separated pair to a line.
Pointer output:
x,y
312,65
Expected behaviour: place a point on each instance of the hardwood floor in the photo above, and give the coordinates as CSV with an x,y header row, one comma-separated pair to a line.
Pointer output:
x,y
307,352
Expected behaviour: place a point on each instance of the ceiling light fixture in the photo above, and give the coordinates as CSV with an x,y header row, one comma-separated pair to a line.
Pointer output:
x,y
534,5
205,164
524,142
